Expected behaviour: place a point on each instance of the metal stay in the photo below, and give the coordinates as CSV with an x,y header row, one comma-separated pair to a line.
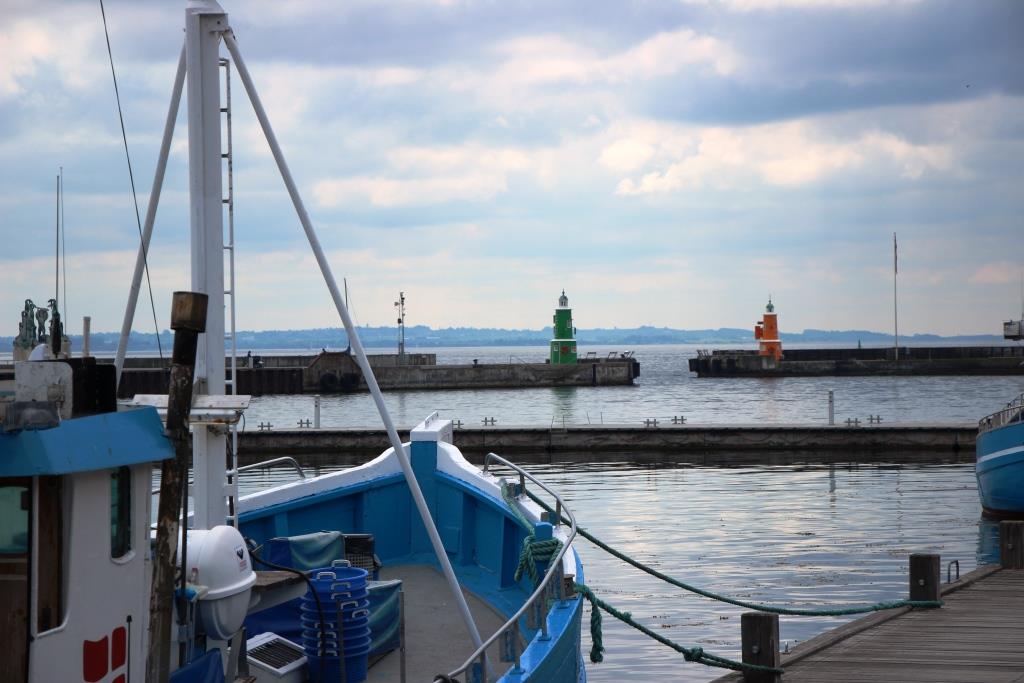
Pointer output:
x,y
536,606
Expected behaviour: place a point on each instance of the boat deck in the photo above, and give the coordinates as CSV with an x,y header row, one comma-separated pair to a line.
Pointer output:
x,y
436,639
975,637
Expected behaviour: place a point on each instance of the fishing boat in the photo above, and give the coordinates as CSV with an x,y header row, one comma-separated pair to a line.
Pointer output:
x,y
416,564
1000,461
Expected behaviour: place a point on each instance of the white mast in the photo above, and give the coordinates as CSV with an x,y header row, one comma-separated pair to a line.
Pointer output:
x,y
204,23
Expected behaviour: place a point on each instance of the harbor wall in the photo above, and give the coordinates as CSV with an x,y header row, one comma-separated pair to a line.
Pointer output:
x,y
634,440
941,360
329,373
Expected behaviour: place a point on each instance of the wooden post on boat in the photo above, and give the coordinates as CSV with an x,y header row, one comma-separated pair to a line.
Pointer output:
x,y
760,638
1011,544
188,320
925,576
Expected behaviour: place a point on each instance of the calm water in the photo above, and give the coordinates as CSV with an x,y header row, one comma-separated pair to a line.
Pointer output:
x,y
799,536
665,388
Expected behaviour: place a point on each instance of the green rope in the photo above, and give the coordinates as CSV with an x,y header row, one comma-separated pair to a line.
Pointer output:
x,y
534,550
690,654
842,611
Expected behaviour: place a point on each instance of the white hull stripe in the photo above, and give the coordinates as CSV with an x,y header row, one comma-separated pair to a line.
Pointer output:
x,y
999,454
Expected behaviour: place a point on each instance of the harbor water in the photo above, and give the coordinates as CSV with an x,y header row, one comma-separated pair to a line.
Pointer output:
x,y
665,389
795,536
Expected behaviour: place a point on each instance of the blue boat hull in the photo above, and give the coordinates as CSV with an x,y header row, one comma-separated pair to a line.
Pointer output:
x,y
480,533
1000,470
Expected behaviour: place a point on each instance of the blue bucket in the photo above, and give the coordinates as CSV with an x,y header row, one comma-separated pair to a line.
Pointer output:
x,y
344,577
331,598
340,588
350,609
312,623
357,644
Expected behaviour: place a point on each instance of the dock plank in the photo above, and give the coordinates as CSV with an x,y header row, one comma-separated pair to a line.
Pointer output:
x,y
978,636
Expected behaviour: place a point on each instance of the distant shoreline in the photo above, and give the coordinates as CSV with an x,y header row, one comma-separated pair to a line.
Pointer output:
x,y
421,337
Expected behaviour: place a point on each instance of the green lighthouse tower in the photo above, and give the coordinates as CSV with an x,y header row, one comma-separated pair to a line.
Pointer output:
x,y
563,346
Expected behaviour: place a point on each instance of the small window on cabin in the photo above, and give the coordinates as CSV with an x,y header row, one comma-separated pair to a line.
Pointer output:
x,y
120,512
14,507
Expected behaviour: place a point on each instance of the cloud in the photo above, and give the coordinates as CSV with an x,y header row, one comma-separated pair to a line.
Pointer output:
x,y
430,176
762,5
626,155
783,155
996,273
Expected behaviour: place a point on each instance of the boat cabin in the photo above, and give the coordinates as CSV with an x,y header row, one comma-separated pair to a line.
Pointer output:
x,y
75,478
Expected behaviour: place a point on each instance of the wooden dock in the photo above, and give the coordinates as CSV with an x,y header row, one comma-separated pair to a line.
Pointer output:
x,y
976,636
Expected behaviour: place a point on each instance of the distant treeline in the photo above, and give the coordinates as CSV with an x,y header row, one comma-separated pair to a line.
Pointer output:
x,y
422,336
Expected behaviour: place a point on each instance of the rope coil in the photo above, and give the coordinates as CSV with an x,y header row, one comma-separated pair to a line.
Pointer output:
x,y
534,550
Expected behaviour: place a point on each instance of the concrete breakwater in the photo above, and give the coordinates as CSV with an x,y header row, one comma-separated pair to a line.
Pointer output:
x,y
332,372
635,441
939,360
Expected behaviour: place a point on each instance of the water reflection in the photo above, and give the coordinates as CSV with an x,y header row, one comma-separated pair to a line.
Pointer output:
x,y
988,541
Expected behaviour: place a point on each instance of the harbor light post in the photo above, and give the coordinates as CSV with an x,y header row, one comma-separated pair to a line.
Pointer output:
x,y
400,305
563,346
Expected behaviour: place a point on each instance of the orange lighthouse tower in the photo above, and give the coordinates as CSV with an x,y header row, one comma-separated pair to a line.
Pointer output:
x,y
767,333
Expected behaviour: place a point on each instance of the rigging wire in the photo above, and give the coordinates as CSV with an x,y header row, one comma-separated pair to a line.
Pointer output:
x,y
56,249
63,246
131,178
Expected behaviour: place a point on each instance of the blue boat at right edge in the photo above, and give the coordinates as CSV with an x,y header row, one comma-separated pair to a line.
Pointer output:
x,y
1000,461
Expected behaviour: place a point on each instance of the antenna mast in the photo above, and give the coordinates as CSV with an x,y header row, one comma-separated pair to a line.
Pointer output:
x,y
400,304
895,311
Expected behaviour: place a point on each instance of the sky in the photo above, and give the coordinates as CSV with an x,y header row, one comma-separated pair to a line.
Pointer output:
x,y
666,163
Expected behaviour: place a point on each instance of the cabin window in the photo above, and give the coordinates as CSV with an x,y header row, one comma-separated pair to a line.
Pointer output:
x,y
15,506
120,512
14,509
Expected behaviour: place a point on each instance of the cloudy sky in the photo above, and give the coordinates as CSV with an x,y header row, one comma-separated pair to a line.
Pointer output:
x,y
667,163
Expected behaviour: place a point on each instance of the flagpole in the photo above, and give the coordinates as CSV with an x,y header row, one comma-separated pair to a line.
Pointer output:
x,y
895,312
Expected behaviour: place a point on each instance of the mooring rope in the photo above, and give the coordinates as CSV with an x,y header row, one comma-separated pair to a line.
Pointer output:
x,y
534,550
690,654
789,611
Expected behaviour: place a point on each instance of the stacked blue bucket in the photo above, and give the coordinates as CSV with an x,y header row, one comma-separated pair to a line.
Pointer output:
x,y
344,636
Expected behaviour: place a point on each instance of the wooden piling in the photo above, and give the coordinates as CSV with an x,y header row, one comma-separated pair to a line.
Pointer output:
x,y
925,576
188,320
760,636
1011,544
